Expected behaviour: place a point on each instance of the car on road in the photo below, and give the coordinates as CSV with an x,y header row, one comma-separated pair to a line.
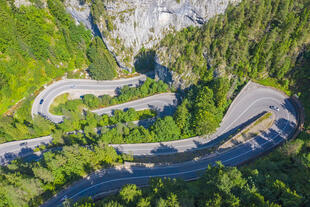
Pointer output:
x,y
64,198
274,108
41,101
23,144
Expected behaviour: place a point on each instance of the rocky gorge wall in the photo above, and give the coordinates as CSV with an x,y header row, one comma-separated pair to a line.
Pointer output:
x,y
143,23
128,25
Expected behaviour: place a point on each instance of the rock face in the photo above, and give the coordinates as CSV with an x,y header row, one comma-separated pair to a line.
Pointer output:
x,y
143,23
80,12
168,76
126,26
19,3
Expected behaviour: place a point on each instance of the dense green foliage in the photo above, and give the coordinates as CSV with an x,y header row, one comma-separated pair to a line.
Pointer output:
x,y
36,45
125,94
254,39
97,8
120,128
203,108
27,184
301,76
22,126
103,65
90,123
166,129
162,130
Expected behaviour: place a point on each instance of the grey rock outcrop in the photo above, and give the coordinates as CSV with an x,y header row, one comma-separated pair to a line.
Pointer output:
x,y
80,12
129,25
19,3
170,77
143,23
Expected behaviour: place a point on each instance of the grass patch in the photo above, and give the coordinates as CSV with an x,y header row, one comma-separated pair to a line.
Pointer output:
x,y
274,83
261,124
258,121
61,99
264,117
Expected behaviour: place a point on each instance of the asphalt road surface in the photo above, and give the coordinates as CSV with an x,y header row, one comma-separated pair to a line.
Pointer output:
x,y
252,100
162,103
43,101
113,179
12,150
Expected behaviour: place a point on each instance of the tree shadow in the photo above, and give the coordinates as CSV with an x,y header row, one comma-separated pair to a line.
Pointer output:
x,y
25,153
146,123
285,125
164,149
234,130
145,61
289,106
94,27
167,110
10,156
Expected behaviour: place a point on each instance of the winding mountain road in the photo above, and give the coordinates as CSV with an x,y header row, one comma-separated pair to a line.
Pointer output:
x,y
43,101
251,101
162,103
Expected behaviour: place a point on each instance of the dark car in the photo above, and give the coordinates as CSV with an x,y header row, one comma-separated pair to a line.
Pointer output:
x,y
41,101
275,108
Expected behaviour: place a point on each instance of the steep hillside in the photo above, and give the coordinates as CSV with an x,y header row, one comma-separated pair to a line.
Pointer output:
x,y
256,39
278,179
127,26
37,44
40,41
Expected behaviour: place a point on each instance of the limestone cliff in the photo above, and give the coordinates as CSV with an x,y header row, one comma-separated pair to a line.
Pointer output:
x,y
127,26
133,24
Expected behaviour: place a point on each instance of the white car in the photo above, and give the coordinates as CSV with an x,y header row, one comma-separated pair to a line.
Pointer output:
x,y
274,108
64,198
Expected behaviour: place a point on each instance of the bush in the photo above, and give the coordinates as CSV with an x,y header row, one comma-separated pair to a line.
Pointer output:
x,y
103,65
166,129
91,101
